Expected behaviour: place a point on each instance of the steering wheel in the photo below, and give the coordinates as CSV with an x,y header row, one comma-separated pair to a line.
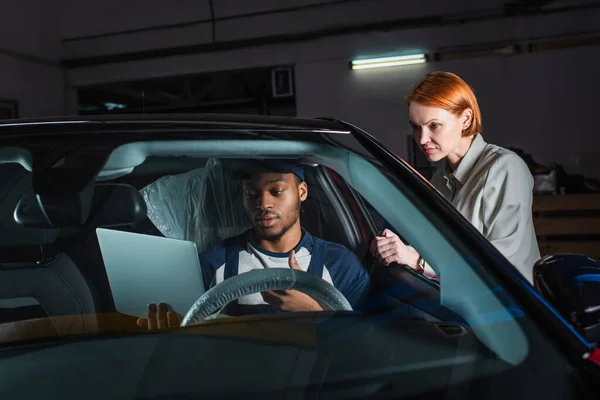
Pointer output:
x,y
256,281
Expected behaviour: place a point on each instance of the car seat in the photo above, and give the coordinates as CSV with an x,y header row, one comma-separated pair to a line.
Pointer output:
x,y
33,281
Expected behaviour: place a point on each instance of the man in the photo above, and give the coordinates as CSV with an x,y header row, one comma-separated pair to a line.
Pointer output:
x,y
273,195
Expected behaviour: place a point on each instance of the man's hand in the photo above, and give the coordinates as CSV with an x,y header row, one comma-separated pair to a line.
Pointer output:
x,y
159,317
388,248
291,300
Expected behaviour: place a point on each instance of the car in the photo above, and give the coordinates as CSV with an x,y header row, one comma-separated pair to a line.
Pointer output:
x,y
481,331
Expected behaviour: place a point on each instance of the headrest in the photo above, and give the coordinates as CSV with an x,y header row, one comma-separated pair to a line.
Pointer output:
x,y
203,205
111,205
116,205
14,181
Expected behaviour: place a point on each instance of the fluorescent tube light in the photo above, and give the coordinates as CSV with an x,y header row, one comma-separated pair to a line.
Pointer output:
x,y
389,61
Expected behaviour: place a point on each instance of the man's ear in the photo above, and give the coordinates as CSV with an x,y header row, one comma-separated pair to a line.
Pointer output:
x,y
303,191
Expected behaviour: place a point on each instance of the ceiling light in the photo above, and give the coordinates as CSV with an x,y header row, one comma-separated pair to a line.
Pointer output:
x,y
389,61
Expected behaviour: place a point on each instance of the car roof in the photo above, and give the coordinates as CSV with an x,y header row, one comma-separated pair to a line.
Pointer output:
x,y
170,121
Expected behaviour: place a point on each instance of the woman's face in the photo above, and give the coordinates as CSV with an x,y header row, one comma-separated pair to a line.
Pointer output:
x,y
439,132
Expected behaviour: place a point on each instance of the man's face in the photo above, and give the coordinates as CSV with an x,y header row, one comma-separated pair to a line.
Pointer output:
x,y
272,202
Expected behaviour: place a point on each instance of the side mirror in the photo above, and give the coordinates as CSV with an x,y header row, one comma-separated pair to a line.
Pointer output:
x,y
571,283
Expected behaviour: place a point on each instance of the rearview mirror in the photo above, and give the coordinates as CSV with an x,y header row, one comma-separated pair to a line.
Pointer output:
x,y
571,284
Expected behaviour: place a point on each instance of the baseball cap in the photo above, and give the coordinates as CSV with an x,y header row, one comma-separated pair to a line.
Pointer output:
x,y
249,167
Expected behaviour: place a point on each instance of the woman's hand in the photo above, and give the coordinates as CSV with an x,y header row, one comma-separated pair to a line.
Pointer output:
x,y
387,248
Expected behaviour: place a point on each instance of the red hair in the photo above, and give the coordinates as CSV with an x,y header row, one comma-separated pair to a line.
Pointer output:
x,y
448,91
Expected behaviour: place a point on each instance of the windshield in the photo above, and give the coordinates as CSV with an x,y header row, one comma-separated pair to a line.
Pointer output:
x,y
201,226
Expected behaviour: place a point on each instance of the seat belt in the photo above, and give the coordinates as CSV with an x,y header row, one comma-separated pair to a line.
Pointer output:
x,y
317,257
232,256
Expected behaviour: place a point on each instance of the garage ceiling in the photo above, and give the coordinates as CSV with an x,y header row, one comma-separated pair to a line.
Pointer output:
x,y
112,31
96,33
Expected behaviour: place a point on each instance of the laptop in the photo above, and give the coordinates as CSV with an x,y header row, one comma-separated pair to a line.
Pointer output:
x,y
144,269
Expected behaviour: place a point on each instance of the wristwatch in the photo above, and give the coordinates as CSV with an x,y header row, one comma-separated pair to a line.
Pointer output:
x,y
420,265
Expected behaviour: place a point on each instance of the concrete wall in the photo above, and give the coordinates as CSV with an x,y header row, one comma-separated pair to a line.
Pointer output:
x,y
542,103
29,58
38,88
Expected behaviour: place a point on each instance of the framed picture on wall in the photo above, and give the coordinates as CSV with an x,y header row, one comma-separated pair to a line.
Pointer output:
x,y
282,82
9,109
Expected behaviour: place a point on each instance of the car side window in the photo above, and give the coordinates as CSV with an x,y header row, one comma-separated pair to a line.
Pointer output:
x,y
379,222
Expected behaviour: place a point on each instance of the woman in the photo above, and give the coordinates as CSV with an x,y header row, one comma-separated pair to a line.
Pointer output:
x,y
489,185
